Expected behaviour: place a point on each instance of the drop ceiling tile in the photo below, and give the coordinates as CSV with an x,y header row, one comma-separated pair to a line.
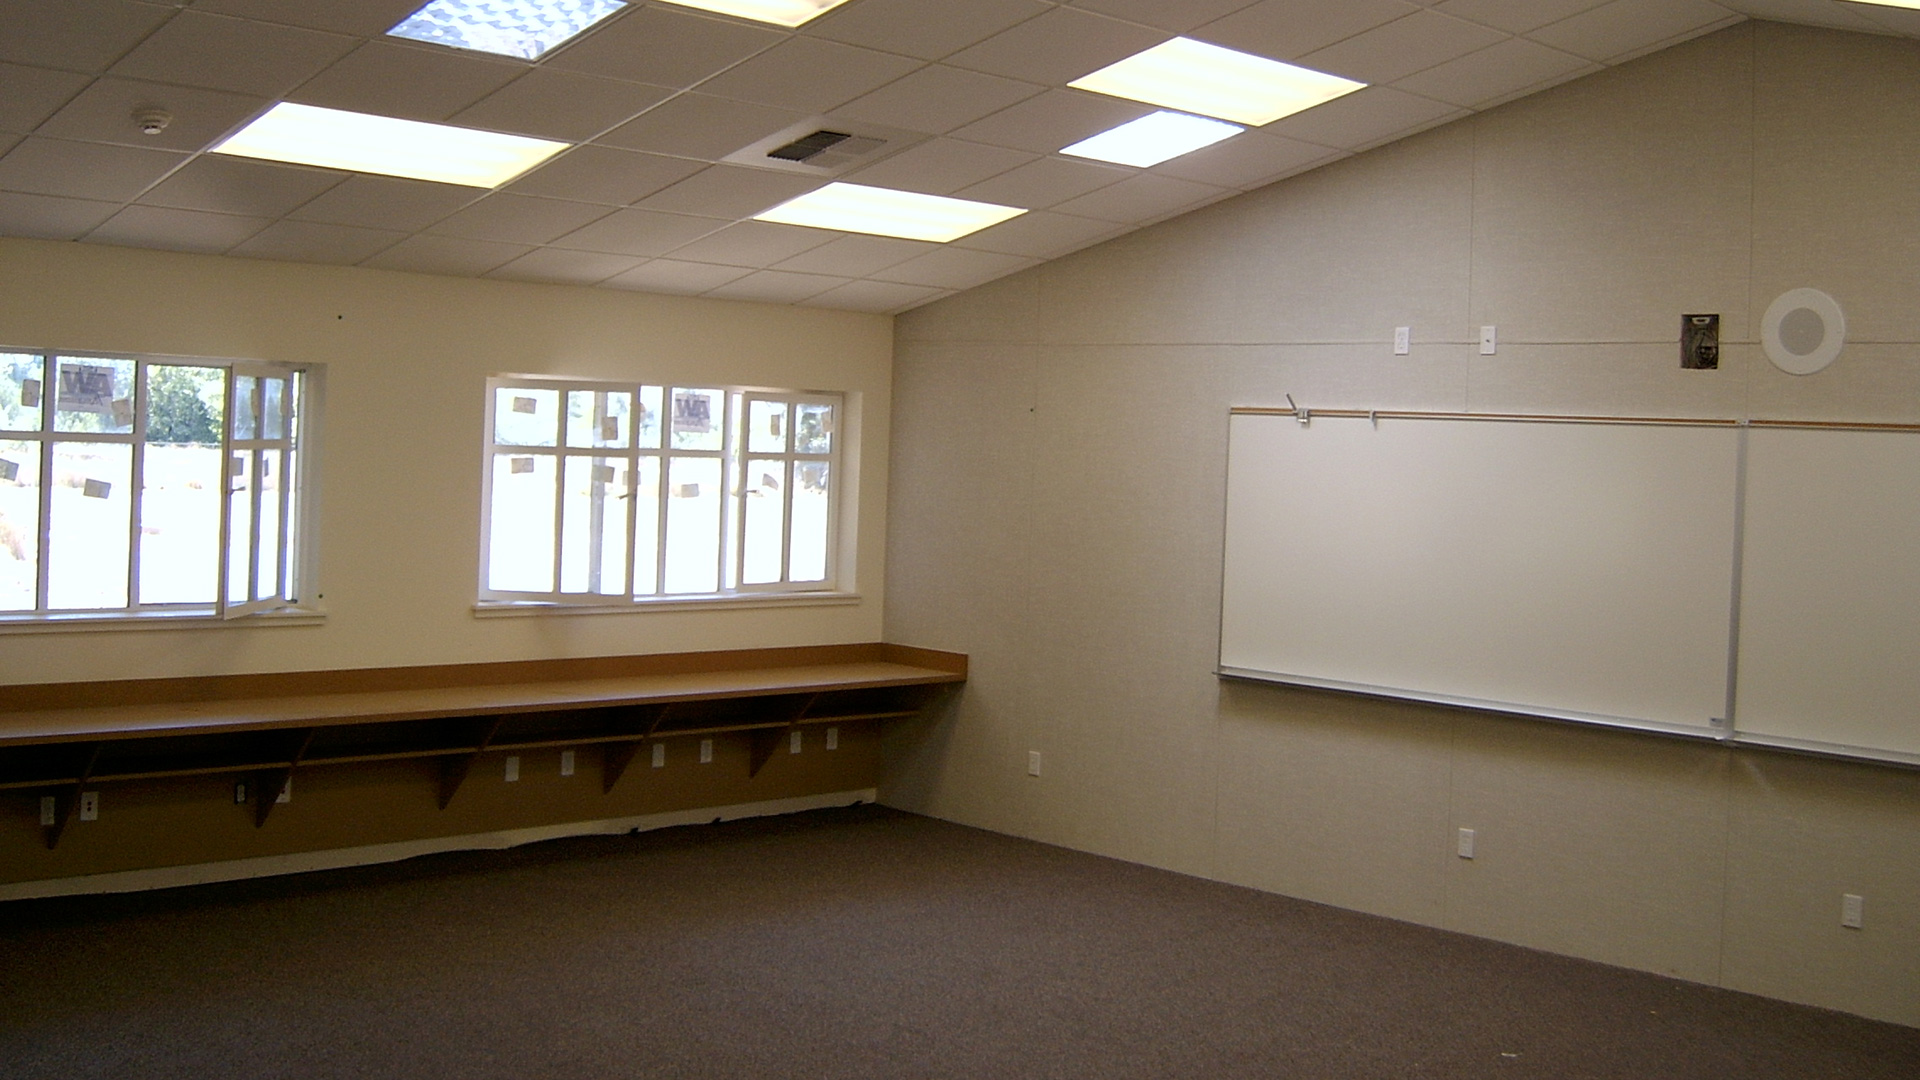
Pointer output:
x,y
917,28
602,174
221,53
1045,183
776,287
756,244
1516,16
230,185
175,230
856,256
941,166
1894,19
29,95
1058,47
1362,118
387,202
1625,28
699,126
446,255
662,46
879,297
1495,73
407,81
50,217
809,74
730,191
561,267
104,113
955,268
936,99
1858,17
1178,16
1289,29
360,18
1402,47
8,141
312,242
1055,119
639,232
675,277
78,35
518,219
1141,198
43,166
563,105
1041,235
1248,160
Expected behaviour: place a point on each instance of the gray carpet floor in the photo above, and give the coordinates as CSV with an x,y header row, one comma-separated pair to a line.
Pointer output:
x,y
857,943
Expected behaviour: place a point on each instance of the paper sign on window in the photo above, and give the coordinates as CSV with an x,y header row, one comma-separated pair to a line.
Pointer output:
x,y
603,474
610,429
96,489
526,405
519,465
9,470
692,413
86,388
122,411
30,394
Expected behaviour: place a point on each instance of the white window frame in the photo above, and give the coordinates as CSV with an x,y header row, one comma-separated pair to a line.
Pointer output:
x,y
293,506
629,458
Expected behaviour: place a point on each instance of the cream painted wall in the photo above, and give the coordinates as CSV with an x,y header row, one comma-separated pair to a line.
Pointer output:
x,y
406,360
1057,502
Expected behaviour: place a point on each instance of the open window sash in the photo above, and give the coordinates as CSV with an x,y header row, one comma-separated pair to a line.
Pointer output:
x,y
258,468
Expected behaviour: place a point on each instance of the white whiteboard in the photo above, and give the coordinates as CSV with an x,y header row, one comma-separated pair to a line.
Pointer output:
x,y
1582,571
1830,605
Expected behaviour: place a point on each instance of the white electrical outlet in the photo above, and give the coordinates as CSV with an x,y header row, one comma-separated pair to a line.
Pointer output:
x,y
1489,343
833,738
89,806
513,767
240,792
793,743
659,755
566,763
1463,844
706,751
49,809
286,792
1852,911
1402,340
1033,763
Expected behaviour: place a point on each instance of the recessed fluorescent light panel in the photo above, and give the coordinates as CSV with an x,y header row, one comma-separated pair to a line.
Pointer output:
x,y
1196,77
885,212
1153,139
778,12
1910,5
332,139
522,28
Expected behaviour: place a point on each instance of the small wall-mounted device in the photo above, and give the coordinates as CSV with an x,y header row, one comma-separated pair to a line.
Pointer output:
x,y
1700,342
151,121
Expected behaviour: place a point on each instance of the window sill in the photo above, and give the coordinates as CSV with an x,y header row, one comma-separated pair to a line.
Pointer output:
x,y
495,609
179,619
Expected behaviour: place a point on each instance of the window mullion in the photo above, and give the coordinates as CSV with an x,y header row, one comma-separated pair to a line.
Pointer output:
x,y
138,482
43,571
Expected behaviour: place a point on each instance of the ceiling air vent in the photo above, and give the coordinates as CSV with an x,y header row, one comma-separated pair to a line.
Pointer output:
x,y
823,151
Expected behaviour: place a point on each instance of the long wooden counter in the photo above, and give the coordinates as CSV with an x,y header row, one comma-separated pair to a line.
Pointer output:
x,y
62,738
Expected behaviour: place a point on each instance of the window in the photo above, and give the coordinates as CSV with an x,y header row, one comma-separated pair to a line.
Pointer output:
x,y
603,493
134,485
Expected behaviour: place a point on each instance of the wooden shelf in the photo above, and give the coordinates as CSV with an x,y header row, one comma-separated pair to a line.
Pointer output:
x,y
78,734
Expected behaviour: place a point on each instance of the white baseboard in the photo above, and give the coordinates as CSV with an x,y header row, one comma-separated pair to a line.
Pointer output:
x,y
168,877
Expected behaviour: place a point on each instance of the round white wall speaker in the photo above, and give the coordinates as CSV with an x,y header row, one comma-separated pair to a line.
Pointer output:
x,y
1803,331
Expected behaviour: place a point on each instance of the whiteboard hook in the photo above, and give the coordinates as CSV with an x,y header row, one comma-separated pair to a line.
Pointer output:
x,y
1300,414
1373,417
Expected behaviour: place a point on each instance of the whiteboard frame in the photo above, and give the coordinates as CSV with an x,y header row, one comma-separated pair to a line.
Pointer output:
x,y
1726,729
